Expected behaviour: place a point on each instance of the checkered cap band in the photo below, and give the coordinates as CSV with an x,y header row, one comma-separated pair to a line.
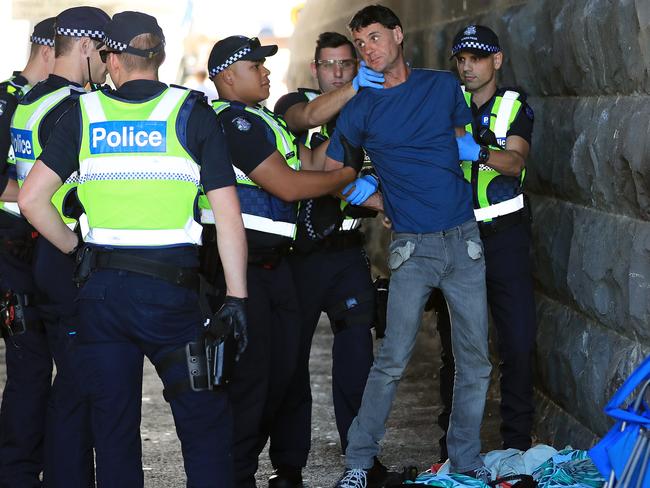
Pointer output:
x,y
42,41
475,45
233,58
93,34
116,45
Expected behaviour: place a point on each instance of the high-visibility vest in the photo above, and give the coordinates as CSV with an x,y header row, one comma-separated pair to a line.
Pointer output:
x,y
27,146
495,194
18,91
261,211
137,182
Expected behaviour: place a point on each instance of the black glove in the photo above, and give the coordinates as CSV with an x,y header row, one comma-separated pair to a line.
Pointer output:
x,y
233,314
352,156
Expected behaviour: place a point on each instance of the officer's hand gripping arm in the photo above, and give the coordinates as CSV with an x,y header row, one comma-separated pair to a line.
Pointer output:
x,y
360,190
468,148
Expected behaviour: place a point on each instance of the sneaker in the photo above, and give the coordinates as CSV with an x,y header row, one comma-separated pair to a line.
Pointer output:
x,y
483,474
353,478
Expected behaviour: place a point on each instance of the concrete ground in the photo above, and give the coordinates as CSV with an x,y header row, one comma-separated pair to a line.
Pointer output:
x,y
412,435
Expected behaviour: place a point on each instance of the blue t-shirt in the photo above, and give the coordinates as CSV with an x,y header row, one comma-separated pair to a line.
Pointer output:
x,y
408,132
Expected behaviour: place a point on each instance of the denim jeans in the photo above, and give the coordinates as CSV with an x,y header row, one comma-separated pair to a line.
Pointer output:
x,y
451,260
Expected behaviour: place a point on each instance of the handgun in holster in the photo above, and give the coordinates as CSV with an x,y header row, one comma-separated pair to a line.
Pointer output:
x,y
84,264
12,312
220,354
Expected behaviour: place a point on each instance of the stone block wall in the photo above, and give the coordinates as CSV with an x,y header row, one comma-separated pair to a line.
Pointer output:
x,y
585,65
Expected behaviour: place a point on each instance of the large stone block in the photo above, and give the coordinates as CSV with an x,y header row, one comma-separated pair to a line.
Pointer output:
x,y
596,262
594,152
580,363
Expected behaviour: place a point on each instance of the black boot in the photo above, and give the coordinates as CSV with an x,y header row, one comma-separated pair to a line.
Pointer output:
x,y
286,477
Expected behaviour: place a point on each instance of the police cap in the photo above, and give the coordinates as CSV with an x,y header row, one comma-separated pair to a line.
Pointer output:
x,y
82,22
43,33
476,39
237,48
125,26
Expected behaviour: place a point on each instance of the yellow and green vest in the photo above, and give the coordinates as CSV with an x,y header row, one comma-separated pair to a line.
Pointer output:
x,y
18,91
26,145
261,211
137,183
504,110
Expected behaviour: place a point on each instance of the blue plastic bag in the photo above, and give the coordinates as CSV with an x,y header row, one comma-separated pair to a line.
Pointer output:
x,y
623,455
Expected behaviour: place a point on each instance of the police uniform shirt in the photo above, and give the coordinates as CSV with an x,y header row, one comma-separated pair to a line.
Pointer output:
x,y
8,104
203,139
521,126
250,139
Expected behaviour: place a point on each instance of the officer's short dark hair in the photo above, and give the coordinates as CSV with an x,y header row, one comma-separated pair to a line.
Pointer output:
x,y
333,40
63,44
132,62
374,14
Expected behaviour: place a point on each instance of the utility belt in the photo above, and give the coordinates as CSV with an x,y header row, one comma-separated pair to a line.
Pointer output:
x,y
12,314
90,258
267,258
503,222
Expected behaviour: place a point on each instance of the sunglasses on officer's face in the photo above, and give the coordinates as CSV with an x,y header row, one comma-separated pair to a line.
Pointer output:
x,y
103,54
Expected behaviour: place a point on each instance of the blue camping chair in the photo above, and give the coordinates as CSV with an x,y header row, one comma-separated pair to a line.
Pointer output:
x,y
623,455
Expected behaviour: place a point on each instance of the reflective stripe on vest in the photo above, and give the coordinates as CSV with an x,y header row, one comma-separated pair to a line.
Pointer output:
x,y
137,182
503,111
26,146
286,145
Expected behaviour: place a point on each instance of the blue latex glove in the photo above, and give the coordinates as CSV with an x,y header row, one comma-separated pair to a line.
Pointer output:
x,y
367,78
468,148
363,188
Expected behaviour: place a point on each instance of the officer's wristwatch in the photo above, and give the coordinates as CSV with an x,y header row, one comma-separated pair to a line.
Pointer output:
x,y
483,155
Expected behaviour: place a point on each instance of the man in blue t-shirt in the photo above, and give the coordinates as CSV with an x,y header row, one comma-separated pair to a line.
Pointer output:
x,y
408,129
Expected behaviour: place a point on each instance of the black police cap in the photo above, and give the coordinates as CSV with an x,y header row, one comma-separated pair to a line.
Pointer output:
x,y
125,26
476,39
44,33
82,22
237,48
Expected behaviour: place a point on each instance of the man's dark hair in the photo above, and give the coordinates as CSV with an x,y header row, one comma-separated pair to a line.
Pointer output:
x,y
374,14
64,44
332,40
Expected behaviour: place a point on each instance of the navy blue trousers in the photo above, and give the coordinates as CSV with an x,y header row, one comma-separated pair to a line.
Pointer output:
x,y
261,377
25,394
124,317
324,279
510,294
68,442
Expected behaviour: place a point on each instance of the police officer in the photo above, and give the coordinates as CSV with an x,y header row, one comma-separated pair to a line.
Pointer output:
x,y
79,30
329,246
267,160
142,152
499,140
27,356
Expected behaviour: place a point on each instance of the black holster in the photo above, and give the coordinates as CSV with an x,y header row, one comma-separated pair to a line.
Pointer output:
x,y
12,312
84,264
